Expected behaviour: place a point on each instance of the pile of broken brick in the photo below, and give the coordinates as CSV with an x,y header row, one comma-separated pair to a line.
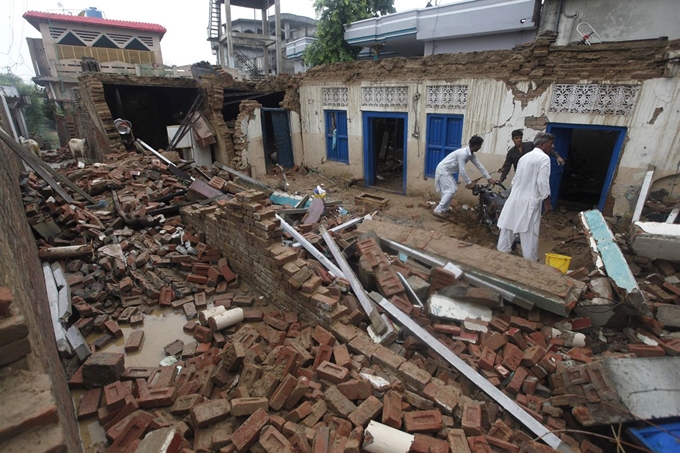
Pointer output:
x,y
277,382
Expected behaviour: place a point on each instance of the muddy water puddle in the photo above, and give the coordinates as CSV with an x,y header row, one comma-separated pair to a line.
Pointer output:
x,y
160,328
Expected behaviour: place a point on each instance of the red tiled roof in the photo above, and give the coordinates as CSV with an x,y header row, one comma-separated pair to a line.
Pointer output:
x,y
37,17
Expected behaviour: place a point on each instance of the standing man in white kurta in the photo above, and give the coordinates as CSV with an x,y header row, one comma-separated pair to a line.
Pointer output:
x,y
455,163
530,190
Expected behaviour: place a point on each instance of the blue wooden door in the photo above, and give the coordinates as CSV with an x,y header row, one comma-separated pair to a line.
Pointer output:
x,y
562,144
337,148
444,135
284,146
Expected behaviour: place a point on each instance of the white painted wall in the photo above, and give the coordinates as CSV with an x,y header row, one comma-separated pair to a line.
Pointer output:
x,y
255,151
493,113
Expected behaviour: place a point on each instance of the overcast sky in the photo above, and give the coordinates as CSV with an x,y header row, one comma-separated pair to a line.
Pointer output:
x,y
186,21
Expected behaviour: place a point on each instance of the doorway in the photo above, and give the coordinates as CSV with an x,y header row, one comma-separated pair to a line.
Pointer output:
x,y
385,150
592,156
278,147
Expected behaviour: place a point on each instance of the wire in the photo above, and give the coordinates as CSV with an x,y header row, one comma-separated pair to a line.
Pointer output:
x,y
588,433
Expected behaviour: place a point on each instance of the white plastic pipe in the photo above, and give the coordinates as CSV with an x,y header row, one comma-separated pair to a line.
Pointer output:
x,y
379,438
226,319
209,313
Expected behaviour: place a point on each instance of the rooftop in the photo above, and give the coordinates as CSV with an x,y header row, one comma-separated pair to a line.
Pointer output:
x,y
35,18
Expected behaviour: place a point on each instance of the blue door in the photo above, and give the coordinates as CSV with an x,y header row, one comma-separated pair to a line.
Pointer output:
x,y
370,163
563,140
337,148
444,134
284,146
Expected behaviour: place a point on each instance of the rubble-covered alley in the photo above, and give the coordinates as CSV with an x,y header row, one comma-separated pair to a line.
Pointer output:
x,y
332,326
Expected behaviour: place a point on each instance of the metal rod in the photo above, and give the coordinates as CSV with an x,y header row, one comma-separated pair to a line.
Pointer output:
x,y
173,167
409,290
501,398
376,321
310,248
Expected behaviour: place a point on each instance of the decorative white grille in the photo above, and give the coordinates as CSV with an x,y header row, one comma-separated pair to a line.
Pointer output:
x,y
56,32
86,36
447,96
594,98
146,40
384,96
335,97
119,39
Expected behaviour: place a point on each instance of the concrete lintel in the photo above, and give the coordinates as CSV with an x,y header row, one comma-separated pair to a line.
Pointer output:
x,y
656,240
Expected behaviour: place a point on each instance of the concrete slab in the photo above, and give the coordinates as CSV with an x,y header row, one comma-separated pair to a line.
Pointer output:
x,y
542,285
648,387
656,240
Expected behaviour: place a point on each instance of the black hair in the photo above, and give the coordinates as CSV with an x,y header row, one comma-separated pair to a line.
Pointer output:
x,y
517,133
476,140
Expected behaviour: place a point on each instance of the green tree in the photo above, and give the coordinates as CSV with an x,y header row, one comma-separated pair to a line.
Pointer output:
x,y
38,112
330,45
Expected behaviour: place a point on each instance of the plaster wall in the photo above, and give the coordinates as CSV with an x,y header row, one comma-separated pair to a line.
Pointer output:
x,y
253,136
492,112
614,20
476,43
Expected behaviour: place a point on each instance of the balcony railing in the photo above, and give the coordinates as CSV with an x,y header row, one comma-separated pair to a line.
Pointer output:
x,y
71,69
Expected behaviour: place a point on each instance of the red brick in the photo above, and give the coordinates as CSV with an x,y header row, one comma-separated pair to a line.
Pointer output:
x,y
203,334
6,300
300,412
471,420
298,392
368,410
423,421
487,360
321,440
588,447
134,341
339,425
356,389
331,372
337,402
227,273
533,355
114,396
113,328
102,368
156,397
195,278
210,412
248,406
517,379
247,434
392,413
478,444
274,442
494,341
323,354
447,329
502,444
185,403
282,393
341,356
133,430
643,350
402,304
458,441
414,375
89,403
427,444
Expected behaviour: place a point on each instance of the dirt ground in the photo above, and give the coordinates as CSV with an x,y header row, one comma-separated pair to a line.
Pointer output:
x,y
560,231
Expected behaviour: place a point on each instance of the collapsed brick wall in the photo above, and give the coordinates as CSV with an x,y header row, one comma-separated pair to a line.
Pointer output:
x,y
240,135
223,148
249,236
21,273
541,62
94,122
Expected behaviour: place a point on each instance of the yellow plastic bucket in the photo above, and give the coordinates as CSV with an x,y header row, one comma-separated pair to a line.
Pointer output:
x,y
560,262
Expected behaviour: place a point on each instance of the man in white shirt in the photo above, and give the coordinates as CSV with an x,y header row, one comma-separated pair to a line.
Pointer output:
x,y
455,163
530,192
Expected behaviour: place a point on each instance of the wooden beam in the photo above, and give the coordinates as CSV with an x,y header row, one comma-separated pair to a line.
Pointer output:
x,y
644,193
376,321
480,381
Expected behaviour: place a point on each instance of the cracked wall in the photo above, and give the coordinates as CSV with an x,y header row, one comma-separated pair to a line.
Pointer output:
x,y
508,90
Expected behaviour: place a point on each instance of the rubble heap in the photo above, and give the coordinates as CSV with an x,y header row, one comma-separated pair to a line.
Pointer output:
x,y
302,369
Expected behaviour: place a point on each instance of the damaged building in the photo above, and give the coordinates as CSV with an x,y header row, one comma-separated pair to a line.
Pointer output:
x,y
251,265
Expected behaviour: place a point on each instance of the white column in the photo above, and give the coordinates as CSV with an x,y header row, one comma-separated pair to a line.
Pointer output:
x,y
230,37
279,56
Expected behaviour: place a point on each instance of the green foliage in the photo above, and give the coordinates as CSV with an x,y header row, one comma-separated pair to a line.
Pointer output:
x,y
35,113
330,45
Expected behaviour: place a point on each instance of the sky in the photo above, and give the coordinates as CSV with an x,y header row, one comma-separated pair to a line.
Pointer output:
x,y
186,21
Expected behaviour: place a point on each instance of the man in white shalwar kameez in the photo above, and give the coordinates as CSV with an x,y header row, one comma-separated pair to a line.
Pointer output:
x,y
455,163
521,213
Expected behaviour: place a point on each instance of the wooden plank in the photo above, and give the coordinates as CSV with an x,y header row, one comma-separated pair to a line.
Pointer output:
x,y
375,200
31,162
314,211
376,321
673,215
501,398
